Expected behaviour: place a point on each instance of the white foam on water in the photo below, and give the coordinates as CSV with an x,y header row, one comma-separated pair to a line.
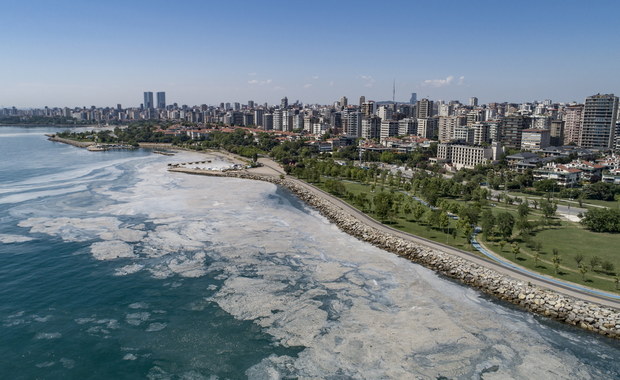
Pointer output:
x,y
42,319
128,269
71,229
138,305
67,363
23,197
45,364
130,357
110,250
137,319
82,321
358,311
54,335
8,238
153,327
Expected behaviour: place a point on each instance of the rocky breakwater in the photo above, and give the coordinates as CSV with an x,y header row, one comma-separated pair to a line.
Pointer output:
x,y
79,144
589,316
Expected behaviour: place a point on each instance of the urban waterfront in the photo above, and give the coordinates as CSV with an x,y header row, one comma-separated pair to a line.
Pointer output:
x,y
111,267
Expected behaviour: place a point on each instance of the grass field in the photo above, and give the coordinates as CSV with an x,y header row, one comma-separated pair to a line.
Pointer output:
x,y
568,238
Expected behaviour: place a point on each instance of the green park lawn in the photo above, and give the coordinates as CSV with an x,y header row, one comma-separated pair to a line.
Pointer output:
x,y
568,238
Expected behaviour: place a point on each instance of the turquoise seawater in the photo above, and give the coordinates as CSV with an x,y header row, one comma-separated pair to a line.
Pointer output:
x,y
112,268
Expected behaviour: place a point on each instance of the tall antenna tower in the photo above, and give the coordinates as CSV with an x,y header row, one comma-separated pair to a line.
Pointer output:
x,y
394,92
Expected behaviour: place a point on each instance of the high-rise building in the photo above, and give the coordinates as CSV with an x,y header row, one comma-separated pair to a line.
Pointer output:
x,y
385,112
427,127
368,108
572,123
511,129
473,101
352,123
250,104
424,109
407,126
258,116
362,100
268,121
344,102
284,103
556,132
161,100
414,98
371,127
599,121
389,128
148,100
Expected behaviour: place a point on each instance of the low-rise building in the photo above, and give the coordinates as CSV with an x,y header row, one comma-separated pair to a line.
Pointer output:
x,y
467,156
535,139
561,174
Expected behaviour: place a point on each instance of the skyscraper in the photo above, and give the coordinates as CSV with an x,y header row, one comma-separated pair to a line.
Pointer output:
x,y
599,121
424,109
148,100
161,100
572,123
284,103
414,98
473,101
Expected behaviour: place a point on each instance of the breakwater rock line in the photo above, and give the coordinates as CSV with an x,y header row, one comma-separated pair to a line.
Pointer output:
x,y
79,144
586,315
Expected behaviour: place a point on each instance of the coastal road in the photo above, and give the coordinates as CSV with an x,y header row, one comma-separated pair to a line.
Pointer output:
x,y
513,271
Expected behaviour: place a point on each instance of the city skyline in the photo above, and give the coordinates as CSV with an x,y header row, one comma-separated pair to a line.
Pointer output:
x,y
449,51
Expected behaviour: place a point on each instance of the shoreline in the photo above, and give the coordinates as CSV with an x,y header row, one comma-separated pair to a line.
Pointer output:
x,y
588,315
604,320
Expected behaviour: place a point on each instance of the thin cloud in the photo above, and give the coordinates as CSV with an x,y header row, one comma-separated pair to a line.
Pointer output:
x,y
438,82
259,82
307,85
252,74
315,77
369,80
461,81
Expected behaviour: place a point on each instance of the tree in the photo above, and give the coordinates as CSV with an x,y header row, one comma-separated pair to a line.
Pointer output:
x,y
443,221
487,222
548,209
502,243
602,220
464,225
407,209
516,249
594,262
523,210
578,258
431,218
536,257
583,269
418,210
608,267
505,223
556,260
383,204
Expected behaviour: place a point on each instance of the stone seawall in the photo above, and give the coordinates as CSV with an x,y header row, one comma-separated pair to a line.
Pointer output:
x,y
587,315
79,144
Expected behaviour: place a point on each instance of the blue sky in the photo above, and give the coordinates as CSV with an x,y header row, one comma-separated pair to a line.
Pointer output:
x,y
82,53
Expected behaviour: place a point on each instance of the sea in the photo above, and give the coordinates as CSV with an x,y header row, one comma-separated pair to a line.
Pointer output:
x,y
111,267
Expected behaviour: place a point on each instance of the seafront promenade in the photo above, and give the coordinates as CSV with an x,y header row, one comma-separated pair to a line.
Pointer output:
x,y
533,293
